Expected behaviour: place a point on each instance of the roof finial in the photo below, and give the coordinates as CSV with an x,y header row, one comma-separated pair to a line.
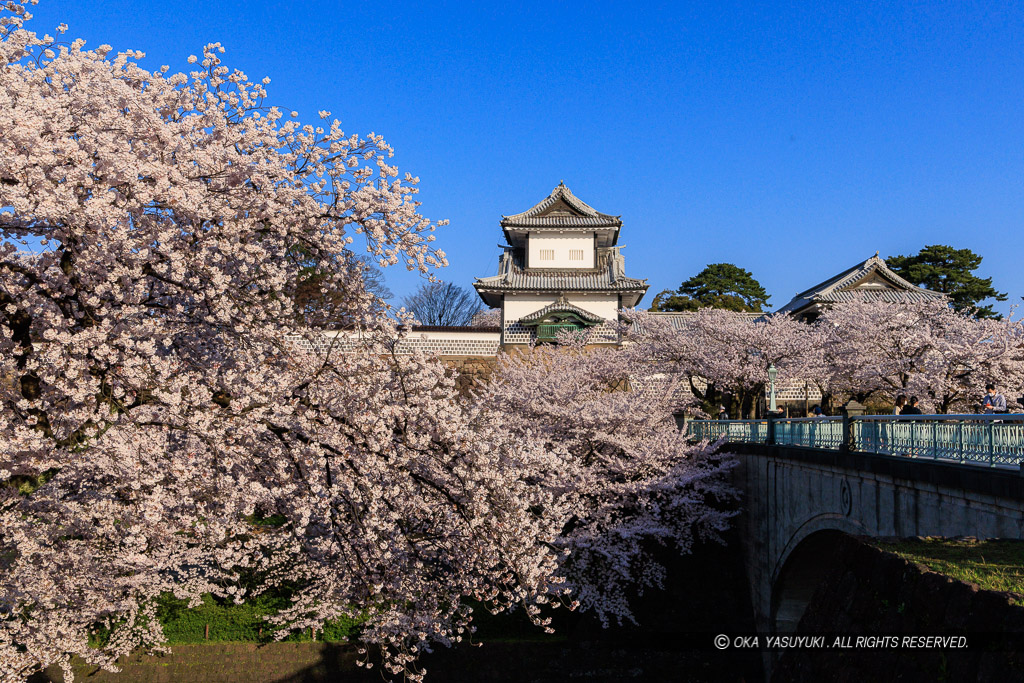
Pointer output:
x,y
876,253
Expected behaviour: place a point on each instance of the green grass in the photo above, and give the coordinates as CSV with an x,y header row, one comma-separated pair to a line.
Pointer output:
x,y
992,565
245,623
221,621
229,622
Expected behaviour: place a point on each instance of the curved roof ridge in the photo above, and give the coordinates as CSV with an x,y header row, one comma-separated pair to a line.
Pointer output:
x,y
562,192
831,290
561,306
876,264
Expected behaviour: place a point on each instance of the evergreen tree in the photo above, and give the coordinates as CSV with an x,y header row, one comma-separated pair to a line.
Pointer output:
x,y
719,285
942,268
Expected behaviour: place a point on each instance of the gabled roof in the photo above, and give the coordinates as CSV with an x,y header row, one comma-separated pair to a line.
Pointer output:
x,y
871,280
559,211
561,206
560,306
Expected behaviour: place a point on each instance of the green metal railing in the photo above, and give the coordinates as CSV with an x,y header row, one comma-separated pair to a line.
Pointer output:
x,y
810,432
992,440
734,431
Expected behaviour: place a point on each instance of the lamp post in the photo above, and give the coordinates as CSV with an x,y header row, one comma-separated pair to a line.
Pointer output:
x,y
772,374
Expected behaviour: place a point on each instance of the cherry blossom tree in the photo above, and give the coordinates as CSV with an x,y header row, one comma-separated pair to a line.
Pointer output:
x,y
855,349
170,428
621,467
969,353
716,350
490,317
925,348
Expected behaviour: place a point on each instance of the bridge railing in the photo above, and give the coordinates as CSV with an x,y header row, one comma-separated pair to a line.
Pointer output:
x,y
734,431
992,440
810,432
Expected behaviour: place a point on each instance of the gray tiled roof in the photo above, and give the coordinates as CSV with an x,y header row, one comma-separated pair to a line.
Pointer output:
x,y
608,276
542,222
560,306
679,320
560,281
891,296
586,215
842,288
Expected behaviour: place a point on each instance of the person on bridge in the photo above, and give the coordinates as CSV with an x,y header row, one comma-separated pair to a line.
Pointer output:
x,y
911,408
722,414
993,402
901,401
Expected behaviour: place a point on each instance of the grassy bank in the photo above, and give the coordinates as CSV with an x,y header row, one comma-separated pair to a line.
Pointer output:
x,y
992,565
223,621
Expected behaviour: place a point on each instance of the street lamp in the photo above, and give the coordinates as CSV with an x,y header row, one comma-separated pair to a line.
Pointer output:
x,y
772,374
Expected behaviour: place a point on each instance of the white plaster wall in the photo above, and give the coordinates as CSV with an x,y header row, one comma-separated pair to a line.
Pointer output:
x,y
442,343
519,305
459,335
560,244
604,305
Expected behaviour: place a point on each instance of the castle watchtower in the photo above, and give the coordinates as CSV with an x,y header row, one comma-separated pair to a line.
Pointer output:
x,y
561,269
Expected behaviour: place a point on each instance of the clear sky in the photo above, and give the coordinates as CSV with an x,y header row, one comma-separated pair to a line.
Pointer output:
x,y
792,139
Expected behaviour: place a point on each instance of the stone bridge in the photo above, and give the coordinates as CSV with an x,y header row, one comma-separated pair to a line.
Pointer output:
x,y
798,501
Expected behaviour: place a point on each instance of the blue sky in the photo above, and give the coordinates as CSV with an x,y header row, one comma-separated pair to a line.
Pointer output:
x,y
792,139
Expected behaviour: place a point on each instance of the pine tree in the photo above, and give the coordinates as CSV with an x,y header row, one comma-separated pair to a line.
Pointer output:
x,y
942,268
719,285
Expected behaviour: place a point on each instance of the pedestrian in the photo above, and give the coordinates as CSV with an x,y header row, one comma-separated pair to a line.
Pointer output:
x,y
817,412
911,408
722,413
901,401
993,401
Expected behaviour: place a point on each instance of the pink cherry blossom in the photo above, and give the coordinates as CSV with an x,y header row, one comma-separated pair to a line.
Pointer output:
x,y
150,394
618,466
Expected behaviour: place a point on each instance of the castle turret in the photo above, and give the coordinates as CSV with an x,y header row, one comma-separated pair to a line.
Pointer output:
x,y
561,269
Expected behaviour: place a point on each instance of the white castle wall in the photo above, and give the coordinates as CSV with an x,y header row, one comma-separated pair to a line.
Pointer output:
x,y
519,305
602,333
560,245
438,343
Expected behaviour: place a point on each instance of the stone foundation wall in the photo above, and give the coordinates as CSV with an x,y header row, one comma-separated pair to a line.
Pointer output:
x,y
470,371
873,593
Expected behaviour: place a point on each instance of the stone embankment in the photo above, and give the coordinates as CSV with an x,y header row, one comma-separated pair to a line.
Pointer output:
x,y
874,593
470,371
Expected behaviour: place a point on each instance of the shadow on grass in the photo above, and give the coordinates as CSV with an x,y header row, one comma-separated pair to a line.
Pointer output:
x,y
705,594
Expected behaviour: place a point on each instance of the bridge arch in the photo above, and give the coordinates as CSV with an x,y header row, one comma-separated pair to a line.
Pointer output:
x,y
806,557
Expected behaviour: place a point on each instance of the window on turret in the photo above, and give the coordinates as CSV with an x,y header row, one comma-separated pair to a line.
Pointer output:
x,y
575,254
547,254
